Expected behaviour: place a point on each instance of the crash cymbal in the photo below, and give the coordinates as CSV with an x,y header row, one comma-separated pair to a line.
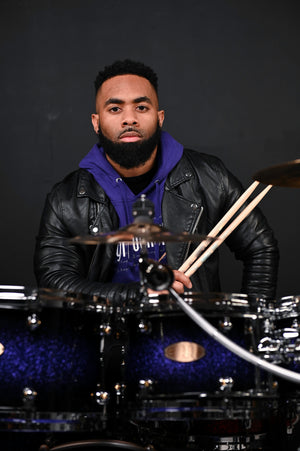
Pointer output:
x,y
147,233
285,174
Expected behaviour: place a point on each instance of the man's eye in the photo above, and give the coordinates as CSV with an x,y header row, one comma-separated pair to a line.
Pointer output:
x,y
142,108
114,109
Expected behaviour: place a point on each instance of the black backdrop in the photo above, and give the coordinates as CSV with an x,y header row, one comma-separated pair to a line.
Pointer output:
x,y
229,80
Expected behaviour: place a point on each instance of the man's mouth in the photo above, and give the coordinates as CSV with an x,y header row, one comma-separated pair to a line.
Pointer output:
x,y
130,136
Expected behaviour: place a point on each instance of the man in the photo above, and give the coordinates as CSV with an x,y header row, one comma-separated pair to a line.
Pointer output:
x,y
191,191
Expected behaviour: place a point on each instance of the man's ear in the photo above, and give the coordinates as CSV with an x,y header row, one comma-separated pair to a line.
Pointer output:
x,y
161,117
95,122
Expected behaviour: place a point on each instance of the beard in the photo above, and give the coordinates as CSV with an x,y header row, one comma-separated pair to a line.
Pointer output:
x,y
130,154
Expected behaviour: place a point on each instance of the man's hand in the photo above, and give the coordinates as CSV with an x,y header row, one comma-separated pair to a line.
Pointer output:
x,y
180,281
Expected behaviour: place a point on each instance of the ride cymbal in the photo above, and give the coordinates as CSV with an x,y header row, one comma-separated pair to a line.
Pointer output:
x,y
286,174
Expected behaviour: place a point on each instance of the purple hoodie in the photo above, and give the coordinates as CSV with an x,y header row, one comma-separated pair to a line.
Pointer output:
x,y
122,198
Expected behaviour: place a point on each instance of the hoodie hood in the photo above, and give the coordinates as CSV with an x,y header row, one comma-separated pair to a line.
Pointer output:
x,y
127,256
116,189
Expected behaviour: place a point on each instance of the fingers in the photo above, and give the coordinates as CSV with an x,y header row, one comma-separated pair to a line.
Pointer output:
x,y
181,277
180,281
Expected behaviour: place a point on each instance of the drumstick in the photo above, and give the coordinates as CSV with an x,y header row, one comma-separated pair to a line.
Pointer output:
x,y
241,200
227,232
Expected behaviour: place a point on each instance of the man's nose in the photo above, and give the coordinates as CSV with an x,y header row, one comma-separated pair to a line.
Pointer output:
x,y
129,119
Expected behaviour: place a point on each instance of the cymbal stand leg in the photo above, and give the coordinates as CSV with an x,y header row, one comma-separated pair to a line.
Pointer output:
x,y
101,395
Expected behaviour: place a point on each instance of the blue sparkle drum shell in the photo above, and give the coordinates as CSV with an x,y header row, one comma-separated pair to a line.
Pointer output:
x,y
210,397
147,355
58,360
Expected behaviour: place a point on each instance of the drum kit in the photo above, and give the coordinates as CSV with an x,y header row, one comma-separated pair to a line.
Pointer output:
x,y
166,372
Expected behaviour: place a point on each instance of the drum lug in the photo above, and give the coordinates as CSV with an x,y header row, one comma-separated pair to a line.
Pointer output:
x,y
120,390
225,324
33,321
146,387
149,447
226,384
101,397
144,327
29,397
105,329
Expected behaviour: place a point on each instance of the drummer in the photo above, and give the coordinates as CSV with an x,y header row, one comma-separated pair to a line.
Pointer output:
x,y
191,191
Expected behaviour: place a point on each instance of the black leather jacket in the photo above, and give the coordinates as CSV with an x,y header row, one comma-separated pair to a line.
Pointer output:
x,y
198,192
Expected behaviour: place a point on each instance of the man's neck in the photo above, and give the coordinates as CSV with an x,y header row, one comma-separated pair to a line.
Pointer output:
x,y
134,172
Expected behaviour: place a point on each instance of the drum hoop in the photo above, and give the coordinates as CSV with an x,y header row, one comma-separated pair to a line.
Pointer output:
x,y
104,443
44,420
212,304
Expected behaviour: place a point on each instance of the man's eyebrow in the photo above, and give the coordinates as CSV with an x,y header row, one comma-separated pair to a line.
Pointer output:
x,y
143,99
117,101
113,100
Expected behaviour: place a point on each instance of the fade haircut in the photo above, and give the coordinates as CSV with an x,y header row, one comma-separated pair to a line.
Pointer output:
x,y
123,68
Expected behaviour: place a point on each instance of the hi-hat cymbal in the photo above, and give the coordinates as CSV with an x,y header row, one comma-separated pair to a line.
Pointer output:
x,y
285,174
146,233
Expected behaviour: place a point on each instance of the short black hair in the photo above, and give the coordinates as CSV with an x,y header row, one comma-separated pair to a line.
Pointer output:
x,y
123,68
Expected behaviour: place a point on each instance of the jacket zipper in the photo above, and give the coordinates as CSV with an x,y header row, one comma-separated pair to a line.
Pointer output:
x,y
96,207
193,231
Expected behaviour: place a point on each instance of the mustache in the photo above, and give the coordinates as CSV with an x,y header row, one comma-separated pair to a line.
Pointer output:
x,y
130,129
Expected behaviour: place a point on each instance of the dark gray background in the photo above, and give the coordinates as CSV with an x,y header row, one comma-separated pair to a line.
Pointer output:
x,y
229,77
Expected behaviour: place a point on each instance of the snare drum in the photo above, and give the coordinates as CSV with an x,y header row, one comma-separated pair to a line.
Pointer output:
x,y
49,362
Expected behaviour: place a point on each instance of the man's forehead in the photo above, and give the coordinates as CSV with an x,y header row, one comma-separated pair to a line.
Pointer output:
x,y
126,87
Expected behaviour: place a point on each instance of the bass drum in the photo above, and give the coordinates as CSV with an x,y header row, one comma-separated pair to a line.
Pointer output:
x,y
49,362
185,386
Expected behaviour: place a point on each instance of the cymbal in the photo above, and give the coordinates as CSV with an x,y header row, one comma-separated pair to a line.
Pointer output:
x,y
146,233
286,174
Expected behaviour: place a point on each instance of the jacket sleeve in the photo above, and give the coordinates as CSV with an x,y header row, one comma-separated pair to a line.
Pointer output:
x,y
253,243
202,180
58,264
